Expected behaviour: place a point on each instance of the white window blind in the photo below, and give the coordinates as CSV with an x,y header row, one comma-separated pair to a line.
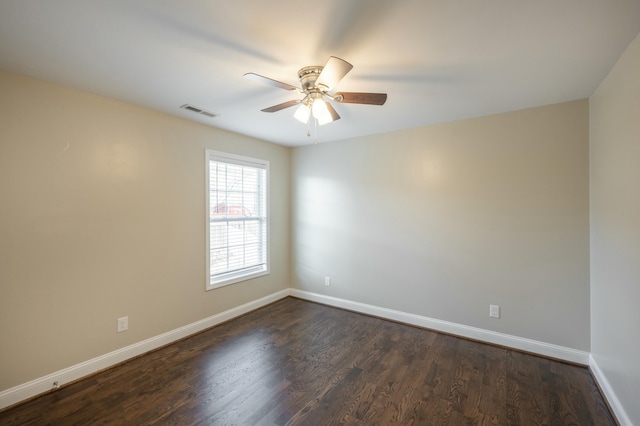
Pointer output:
x,y
237,204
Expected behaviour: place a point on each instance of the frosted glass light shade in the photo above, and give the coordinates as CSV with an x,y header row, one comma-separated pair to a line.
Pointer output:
x,y
325,117
302,113
320,112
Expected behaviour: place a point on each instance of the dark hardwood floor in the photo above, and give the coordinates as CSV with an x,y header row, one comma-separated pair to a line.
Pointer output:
x,y
300,363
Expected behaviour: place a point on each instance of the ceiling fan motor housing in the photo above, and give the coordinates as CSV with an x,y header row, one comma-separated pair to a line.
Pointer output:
x,y
308,77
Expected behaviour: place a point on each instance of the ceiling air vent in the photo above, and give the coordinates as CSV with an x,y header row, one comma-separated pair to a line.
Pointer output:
x,y
198,110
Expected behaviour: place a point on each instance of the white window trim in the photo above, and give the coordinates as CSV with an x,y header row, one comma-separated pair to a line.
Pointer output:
x,y
235,277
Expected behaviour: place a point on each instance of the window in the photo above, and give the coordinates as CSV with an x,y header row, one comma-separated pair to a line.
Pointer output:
x,y
237,212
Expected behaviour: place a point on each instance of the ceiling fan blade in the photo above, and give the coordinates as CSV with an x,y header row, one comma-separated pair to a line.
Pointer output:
x,y
269,81
281,106
334,115
360,98
334,70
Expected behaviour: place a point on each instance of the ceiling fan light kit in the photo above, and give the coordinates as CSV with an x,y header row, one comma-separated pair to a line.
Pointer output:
x,y
316,83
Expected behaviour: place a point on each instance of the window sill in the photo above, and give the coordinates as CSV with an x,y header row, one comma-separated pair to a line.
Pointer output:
x,y
235,280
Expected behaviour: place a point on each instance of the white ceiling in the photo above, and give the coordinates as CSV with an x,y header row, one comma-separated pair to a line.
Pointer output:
x,y
438,60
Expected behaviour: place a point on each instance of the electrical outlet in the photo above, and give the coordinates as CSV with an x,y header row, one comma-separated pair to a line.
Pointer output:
x,y
494,311
327,281
123,324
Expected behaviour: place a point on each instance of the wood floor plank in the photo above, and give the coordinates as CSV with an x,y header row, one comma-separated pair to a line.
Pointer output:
x,y
300,363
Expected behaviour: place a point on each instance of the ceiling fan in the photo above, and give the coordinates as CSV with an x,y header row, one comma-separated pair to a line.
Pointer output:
x,y
317,82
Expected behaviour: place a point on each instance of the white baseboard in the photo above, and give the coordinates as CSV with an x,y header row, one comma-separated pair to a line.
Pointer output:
x,y
609,394
43,384
528,345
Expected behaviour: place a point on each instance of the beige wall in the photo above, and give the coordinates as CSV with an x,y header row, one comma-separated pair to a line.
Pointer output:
x,y
442,221
102,215
614,124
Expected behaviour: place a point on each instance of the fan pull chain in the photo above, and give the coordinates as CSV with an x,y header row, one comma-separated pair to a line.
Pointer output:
x,y
315,130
